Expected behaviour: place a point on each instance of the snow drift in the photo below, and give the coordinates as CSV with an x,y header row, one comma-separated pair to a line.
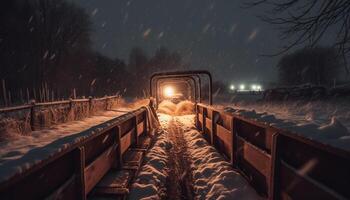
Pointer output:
x,y
150,183
214,178
182,108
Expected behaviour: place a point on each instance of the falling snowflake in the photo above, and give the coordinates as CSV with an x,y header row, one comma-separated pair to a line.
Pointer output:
x,y
94,12
232,29
253,34
206,28
53,56
147,33
30,19
161,34
46,54
93,82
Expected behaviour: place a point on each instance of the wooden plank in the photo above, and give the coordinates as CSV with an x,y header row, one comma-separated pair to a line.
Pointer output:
x,y
127,125
254,134
140,128
208,124
96,146
225,138
125,142
321,165
44,181
259,159
200,118
99,167
295,185
254,164
141,117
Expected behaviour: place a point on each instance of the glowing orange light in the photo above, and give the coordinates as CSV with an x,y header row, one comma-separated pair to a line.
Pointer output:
x,y
169,91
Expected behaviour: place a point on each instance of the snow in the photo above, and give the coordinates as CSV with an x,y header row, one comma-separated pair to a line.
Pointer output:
x,y
25,151
150,183
214,178
170,108
326,121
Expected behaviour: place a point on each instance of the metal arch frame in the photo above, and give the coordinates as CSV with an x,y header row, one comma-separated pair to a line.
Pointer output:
x,y
192,77
170,78
183,74
189,81
195,78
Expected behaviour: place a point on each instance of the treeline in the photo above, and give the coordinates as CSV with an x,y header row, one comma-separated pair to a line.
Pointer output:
x,y
45,48
317,66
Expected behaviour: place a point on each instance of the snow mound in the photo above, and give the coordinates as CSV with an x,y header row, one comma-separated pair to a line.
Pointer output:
x,y
309,120
167,107
333,130
213,177
150,182
182,108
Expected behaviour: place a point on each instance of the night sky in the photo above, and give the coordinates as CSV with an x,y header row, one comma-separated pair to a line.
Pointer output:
x,y
220,36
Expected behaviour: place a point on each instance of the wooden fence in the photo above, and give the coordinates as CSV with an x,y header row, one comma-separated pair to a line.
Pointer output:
x,y
277,163
34,116
75,171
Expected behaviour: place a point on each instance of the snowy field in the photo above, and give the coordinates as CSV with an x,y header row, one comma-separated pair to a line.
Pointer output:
x,y
326,121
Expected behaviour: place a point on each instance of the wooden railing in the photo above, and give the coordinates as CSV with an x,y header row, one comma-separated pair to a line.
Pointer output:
x,y
73,172
277,163
80,108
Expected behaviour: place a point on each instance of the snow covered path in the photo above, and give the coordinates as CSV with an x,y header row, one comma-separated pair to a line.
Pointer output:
x,y
193,168
179,183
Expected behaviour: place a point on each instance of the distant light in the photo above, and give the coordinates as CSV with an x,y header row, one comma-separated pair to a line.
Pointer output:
x,y
232,87
169,91
254,87
242,87
258,87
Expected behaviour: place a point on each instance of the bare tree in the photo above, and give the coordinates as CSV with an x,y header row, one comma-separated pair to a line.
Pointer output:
x,y
308,22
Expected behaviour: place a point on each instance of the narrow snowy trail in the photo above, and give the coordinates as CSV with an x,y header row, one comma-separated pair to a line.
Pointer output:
x,y
179,182
182,165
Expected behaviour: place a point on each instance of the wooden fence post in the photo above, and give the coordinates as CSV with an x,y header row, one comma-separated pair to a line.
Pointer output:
x,y
214,120
32,115
90,105
9,99
28,97
34,93
79,168
275,159
233,142
119,151
74,93
21,95
135,131
4,91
